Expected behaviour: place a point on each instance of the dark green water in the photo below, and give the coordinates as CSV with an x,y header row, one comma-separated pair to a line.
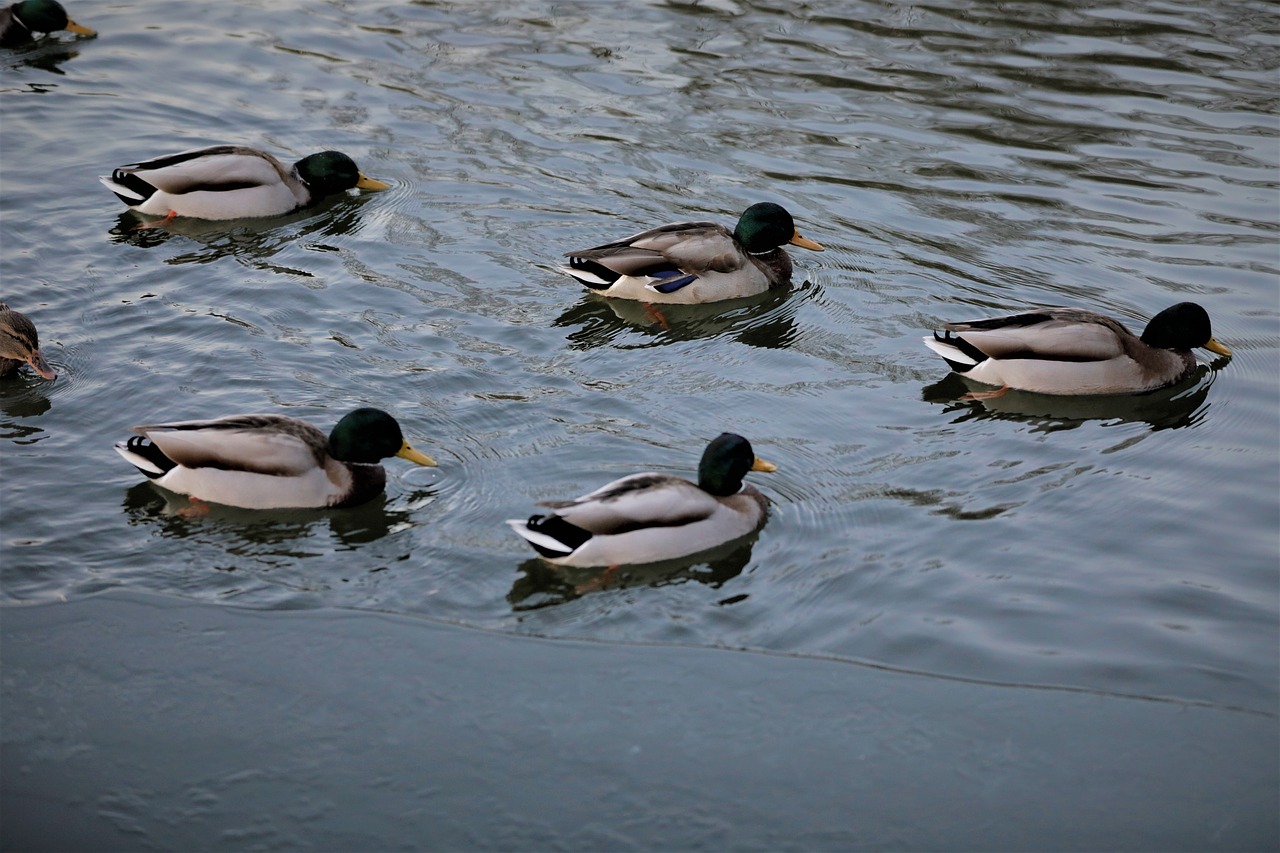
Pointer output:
x,y
956,159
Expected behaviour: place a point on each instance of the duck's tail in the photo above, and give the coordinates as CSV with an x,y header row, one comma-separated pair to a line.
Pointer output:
x,y
550,535
145,456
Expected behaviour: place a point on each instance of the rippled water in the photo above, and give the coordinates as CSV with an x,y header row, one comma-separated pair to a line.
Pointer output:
x,y
956,159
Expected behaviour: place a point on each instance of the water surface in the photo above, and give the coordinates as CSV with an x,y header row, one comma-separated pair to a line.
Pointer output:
x,y
957,159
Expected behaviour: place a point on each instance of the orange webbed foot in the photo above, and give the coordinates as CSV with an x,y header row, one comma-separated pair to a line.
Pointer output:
x,y
985,395
600,582
159,223
195,509
653,313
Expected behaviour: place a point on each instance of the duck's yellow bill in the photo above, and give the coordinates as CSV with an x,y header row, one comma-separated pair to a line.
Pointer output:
x,y
407,452
368,183
761,465
1214,346
805,243
73,27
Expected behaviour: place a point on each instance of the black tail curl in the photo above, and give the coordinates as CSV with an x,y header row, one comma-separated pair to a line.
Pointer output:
x,y
142,447
571,536
132,182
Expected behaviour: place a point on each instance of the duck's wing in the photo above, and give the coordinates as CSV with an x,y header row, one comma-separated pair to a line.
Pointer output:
x,y
221,168
637,502
695,247
688,247
1059,334
260,444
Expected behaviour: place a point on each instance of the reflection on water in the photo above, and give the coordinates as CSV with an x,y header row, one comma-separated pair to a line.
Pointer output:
x,y
767,320
267,535
961,157
1181,405
45,54
542,584
22,398
252,242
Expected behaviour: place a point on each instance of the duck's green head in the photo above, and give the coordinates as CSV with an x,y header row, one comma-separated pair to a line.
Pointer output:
x,y
332,172
46,16
765,226
1184,326
725,462
370,435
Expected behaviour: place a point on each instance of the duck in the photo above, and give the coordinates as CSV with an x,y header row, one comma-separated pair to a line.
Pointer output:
x,y
1075,351
233,182
266,461
20,22
651,517
20,344
694,262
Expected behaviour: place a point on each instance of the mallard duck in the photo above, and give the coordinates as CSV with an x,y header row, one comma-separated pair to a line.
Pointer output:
x,y
271,461
19,22
1074,351
233,182
646,518
691,262
20,344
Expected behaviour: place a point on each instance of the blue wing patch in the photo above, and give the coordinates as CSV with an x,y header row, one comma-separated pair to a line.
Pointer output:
x,y
672,281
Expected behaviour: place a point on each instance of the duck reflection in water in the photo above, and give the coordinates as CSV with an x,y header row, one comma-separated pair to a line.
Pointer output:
x,y
19,407
46,55
1172,407
542,584
272,533
252,242
766,320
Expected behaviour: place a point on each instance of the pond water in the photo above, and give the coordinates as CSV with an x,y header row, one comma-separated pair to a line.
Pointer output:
x,y
956,159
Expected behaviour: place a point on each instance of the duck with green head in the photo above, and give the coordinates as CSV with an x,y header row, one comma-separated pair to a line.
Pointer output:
x,y
233,182
20,22
692,262
651,517
271,461
1075,351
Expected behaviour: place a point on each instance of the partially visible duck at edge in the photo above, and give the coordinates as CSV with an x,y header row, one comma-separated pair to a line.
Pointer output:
x,y
20,344
20,22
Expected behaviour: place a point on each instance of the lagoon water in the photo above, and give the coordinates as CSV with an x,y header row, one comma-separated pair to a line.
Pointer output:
x,y
956,159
